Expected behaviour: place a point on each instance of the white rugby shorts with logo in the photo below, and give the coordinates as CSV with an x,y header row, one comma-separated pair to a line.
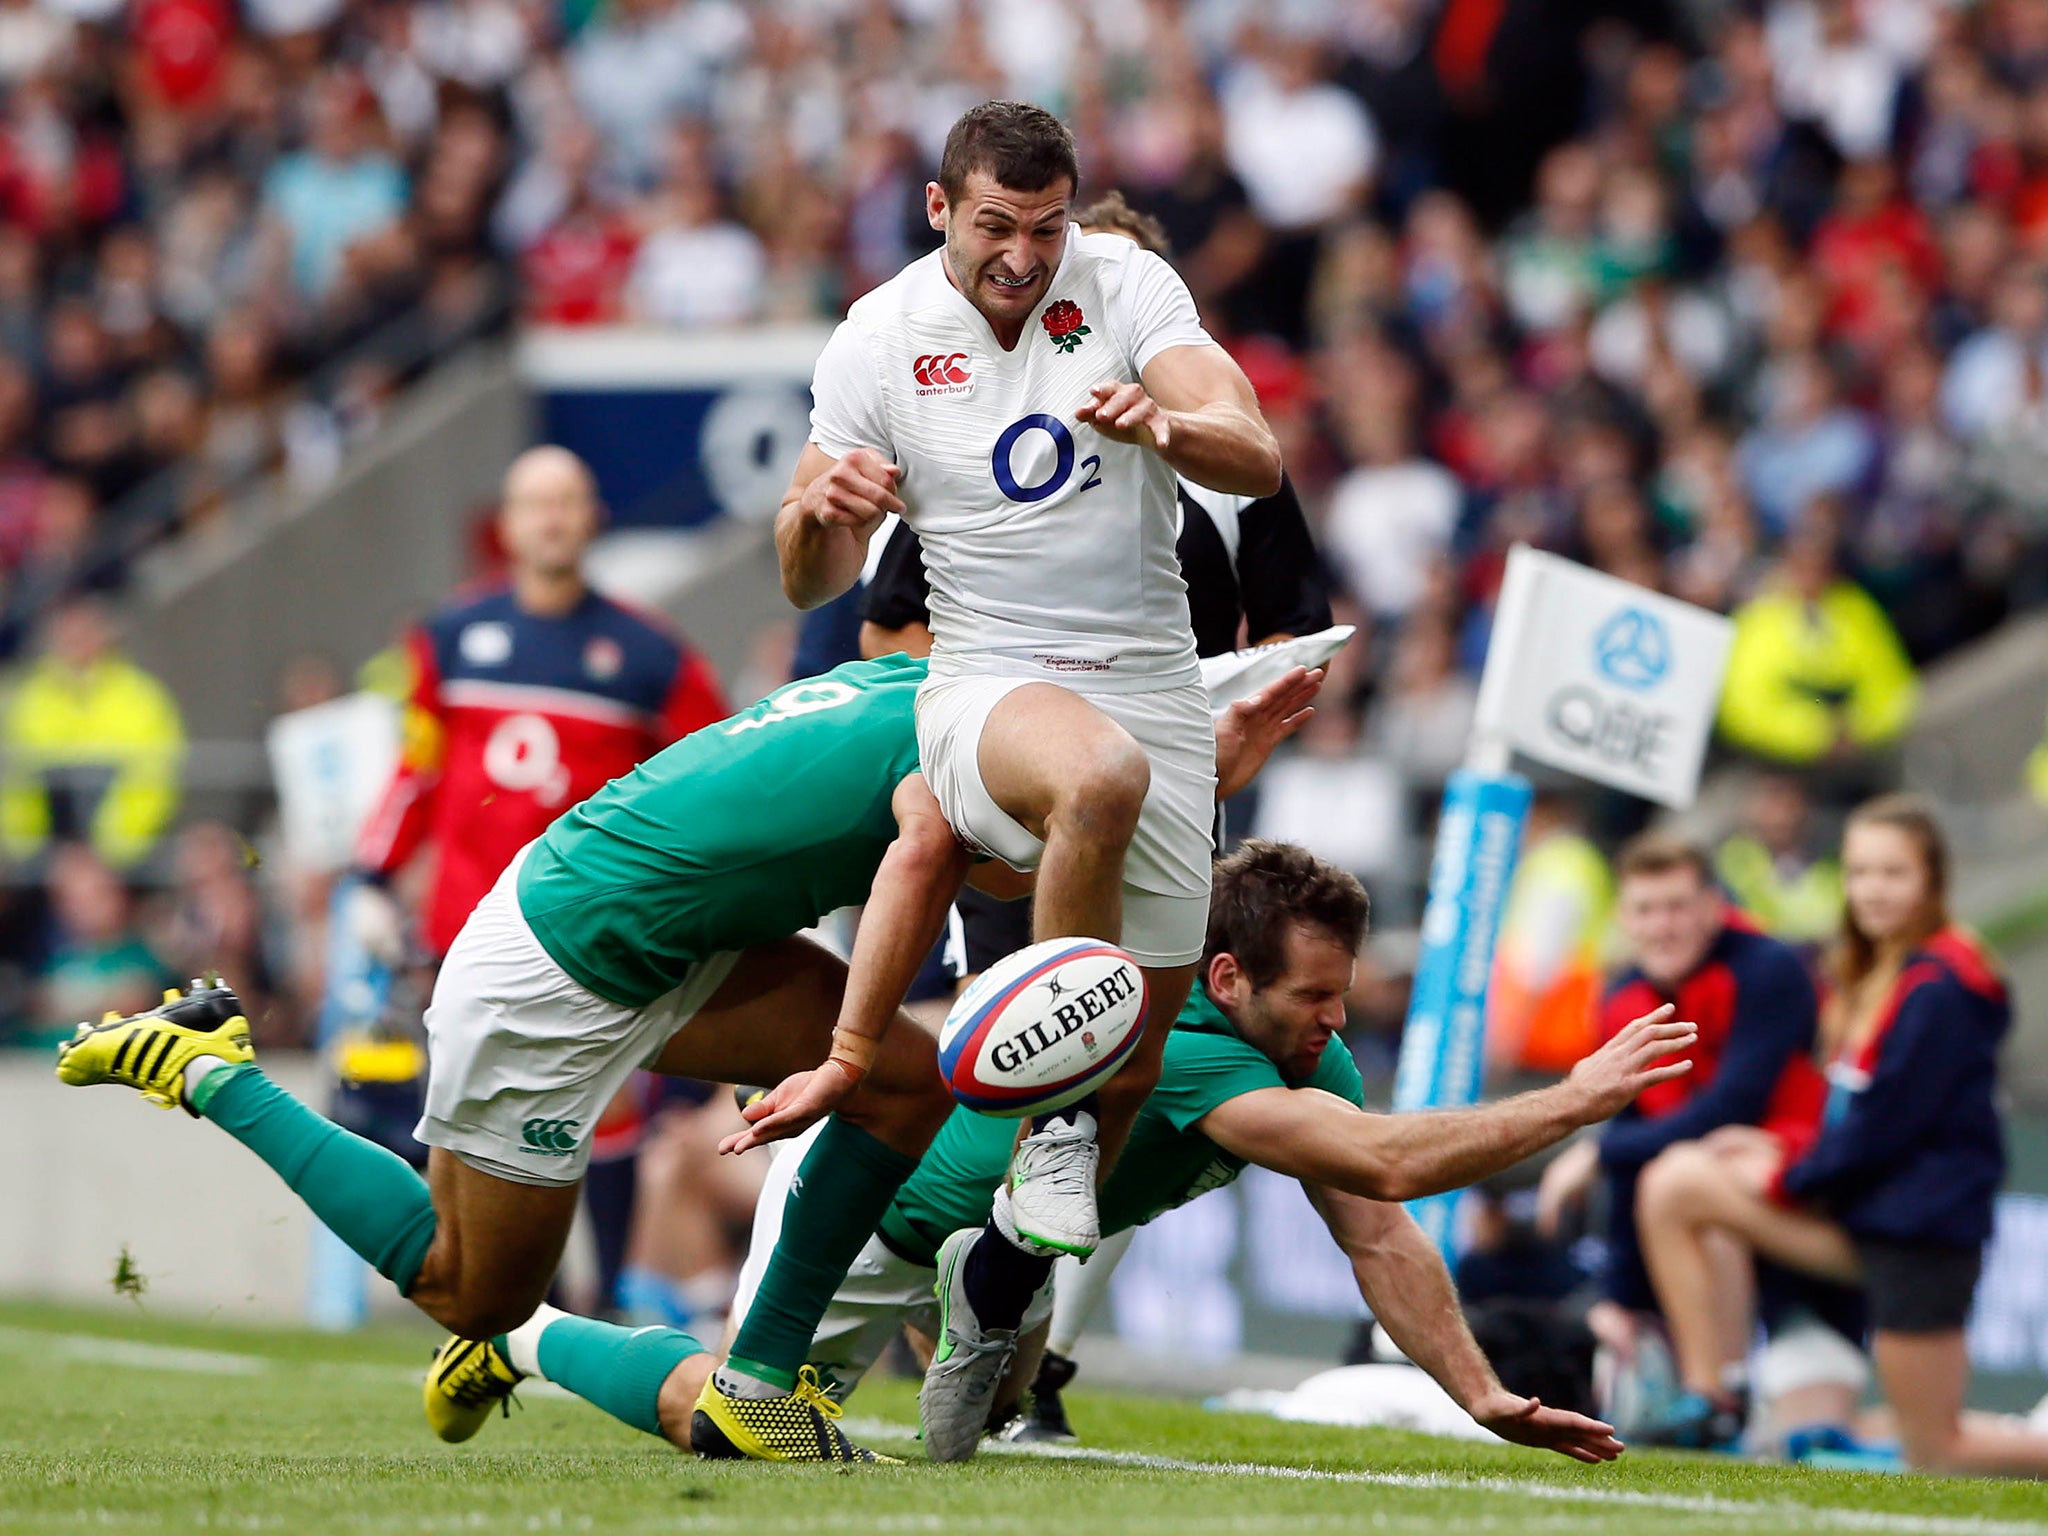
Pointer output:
x,y
1051,549
522,1058
882,1293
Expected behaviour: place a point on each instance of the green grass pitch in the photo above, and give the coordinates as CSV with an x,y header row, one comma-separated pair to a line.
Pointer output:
x,y
117,1421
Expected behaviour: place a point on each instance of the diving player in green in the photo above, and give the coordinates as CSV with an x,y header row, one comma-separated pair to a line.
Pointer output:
x,y
671,898
1252,1075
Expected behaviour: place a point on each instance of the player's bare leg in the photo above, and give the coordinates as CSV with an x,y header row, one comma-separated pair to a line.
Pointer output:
x,y
496,1247
1073,778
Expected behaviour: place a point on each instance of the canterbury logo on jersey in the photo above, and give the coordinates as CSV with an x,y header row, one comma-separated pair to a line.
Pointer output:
x,y
942,373
549,1138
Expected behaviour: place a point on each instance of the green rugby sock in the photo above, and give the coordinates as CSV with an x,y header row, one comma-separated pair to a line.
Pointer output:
x,y
369,1197
620,1370
845,1184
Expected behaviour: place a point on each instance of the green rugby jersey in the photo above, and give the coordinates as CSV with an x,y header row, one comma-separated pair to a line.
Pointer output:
x,y
1167,1162
741,833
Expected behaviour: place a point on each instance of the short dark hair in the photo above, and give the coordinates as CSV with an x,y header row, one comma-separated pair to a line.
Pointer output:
x,y
1025,148
1658,853
1261,889
1110,211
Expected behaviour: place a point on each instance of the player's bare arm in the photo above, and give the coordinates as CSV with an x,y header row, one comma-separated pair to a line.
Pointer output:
x,y
1403,1280
830,511
1196,410
906,909
1318,1137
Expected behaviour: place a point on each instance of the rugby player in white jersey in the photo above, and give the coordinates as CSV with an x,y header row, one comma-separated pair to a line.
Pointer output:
x,y
1025,398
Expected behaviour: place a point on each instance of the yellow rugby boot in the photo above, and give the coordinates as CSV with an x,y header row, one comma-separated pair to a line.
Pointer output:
x,y
469,1377
791,1426
150,1051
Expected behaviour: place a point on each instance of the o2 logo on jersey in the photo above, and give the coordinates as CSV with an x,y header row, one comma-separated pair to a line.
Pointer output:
x,y
1003,462
942,373
524,755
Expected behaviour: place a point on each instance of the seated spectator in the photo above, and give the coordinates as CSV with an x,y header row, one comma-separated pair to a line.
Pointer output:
x,y
1893,1187
1808,444
86,424
1816,673
1303,147
339,188
1421,723
1986,376
65,554
93,745
214,925
1756,1012
642,65
1773,869
1392,517
696,267
98,960
577,249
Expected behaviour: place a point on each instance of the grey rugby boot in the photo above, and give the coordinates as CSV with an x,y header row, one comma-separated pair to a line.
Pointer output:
x,y
967,1364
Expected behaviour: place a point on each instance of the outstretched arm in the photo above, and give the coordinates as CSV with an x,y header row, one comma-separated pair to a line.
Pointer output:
x,y
906,908
1403,1279
1321,1139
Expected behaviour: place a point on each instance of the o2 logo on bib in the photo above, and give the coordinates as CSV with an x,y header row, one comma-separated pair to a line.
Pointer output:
x,y
1022,450
524,755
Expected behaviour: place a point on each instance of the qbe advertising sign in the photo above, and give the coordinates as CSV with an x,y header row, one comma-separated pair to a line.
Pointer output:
x,y
1602,678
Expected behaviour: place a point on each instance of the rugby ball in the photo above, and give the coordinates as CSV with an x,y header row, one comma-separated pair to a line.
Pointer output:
x,y
1043,1027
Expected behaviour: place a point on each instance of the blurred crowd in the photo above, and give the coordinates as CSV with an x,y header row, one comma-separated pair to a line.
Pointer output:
x,y
1746,303
226,235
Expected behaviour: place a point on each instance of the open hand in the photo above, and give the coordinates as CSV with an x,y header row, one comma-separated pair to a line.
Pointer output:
x,y
1125,413
856,492
1636,1058
1525,1421
792,1107
1248,731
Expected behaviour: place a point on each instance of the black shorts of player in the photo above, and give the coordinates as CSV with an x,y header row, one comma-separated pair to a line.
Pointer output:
x,y
1918,1287
991,928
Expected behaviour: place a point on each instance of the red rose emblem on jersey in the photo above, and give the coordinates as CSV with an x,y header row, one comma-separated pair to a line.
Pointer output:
x,y
1065,324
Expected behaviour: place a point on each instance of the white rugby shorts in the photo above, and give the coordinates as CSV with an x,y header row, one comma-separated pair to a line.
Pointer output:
x,y
882,1293
1166,871
521,1058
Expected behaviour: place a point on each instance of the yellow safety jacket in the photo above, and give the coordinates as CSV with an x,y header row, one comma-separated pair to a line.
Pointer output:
x,y
1805,908
1801,675
113,716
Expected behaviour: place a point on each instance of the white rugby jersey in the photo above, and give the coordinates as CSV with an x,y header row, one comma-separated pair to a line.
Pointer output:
x,y
1050,548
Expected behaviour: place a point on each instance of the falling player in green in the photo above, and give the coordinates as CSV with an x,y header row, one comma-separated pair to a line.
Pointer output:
x,y
671,898
1253,1074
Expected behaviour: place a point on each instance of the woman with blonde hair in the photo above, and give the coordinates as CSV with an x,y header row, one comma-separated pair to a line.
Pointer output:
x,y
1893,1189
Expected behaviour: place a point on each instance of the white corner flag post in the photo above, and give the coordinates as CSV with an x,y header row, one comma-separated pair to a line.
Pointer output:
x,y
1586,673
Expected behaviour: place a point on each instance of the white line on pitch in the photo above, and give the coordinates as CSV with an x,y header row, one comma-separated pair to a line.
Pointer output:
x,y
1822,1516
